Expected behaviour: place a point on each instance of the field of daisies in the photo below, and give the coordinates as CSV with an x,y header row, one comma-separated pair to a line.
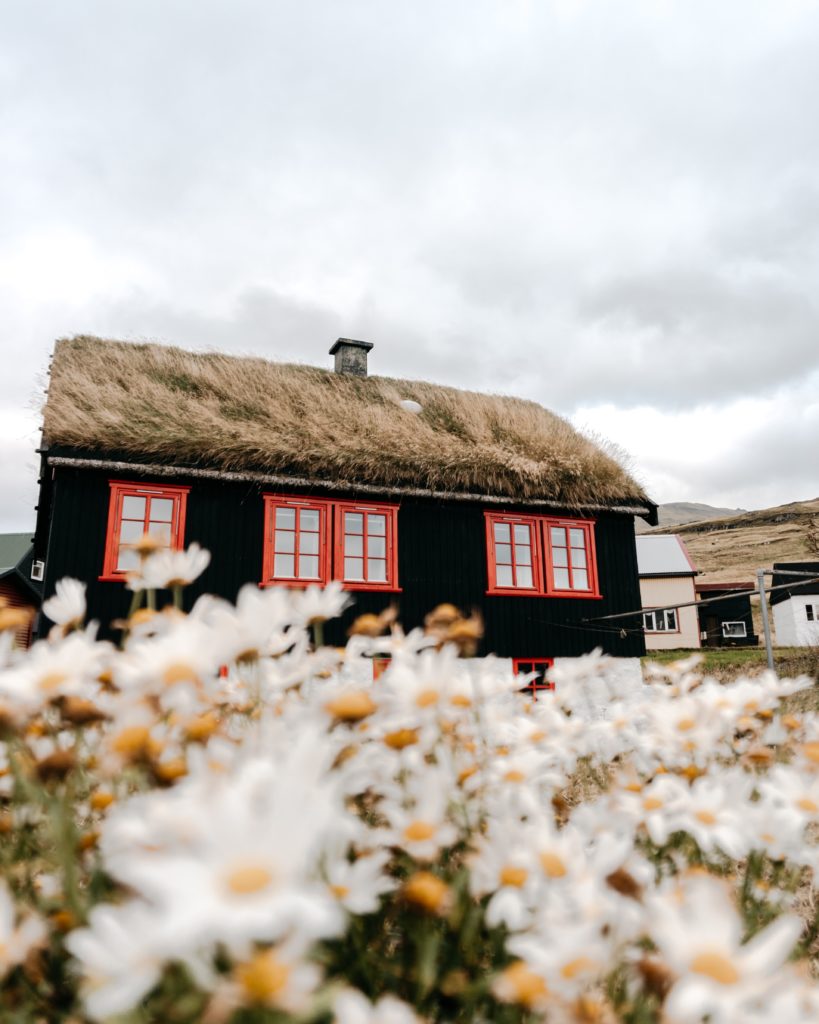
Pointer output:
x,y
221,820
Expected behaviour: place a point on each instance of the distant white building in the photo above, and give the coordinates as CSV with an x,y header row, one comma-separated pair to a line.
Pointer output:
x,y
666,583
796,609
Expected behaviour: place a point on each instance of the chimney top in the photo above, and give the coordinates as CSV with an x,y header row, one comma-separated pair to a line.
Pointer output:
x,y
351,356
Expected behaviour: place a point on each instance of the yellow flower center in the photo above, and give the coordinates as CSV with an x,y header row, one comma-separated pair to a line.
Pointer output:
x,y
426,698
685,724
351,707
264,977
401,738
806,804
515,877
514,775
340,891
427,891
248,878
180,672
706,817
460,700
811,751
715,966
553,865
518,984
652,803
577,966
418,831
51,680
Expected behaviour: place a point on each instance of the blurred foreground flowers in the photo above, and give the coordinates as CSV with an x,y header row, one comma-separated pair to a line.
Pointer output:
x,y
223,822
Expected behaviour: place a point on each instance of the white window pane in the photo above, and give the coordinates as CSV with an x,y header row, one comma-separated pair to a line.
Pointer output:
x,y
521,534
578,538
353,522
130,531
309,519
161,531
285,519
285,541
578,558
353,546
503,554
353,568
308,567
503,575
309,543
524,576
523,554
502,533
161,510
377,525
133,507
377,547
284,565
377,570
127,560
560,556
558,535
581,579
562,579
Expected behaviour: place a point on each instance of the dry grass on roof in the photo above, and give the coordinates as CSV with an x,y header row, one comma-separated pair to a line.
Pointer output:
x,y
165,404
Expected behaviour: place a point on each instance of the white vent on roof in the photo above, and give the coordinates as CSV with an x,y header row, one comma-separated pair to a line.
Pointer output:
x,y
37,570
409,406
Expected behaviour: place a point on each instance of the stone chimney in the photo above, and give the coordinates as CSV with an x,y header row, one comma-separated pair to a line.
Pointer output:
x,y
351,356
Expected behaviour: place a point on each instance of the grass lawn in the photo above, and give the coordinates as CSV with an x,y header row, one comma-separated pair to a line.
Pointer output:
x,y
727,663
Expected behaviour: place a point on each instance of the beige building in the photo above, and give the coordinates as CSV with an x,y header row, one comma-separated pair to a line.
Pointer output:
x,y
666,585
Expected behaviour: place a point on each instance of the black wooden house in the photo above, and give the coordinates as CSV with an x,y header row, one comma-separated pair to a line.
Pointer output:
x,y
406,491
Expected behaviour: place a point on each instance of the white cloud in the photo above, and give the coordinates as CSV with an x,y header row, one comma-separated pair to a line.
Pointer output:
x,y
608,208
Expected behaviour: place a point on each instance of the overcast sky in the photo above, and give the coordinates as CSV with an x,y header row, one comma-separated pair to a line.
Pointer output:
x,y
611,208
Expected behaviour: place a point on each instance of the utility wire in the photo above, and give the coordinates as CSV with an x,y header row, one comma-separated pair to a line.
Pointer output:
x,y
708,600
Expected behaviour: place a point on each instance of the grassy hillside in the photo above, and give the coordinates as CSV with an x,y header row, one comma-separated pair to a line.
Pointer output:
x,y
733,548
675,513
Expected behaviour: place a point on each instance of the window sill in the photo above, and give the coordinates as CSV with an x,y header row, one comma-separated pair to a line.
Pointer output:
x,y
542,593
302,585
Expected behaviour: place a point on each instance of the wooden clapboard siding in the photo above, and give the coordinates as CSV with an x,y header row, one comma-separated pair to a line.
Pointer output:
x,y
441,557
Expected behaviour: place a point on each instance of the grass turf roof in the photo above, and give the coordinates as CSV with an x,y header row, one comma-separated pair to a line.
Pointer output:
x,y
161,404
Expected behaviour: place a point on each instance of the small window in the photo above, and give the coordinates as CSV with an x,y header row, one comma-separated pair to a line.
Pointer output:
x,y
809,612
660,620
296,549
513,556
734,629
540,666
133,511
365,546
380,666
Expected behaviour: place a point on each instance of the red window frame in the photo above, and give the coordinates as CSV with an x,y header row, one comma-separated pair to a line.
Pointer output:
x,y
586,528
543,555
122,489
523,666
331,541
502,519
390,556
380,666
298,505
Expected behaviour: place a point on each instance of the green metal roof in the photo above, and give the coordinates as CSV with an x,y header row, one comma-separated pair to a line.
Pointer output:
x,y
12,548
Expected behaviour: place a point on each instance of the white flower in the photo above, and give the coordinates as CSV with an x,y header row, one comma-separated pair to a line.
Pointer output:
x,y
358,886
698,931
169,568
17,937
66,607
352,1007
